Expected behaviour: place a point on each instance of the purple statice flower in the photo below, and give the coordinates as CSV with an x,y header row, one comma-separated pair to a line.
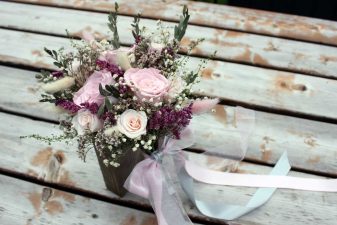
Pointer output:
x,y
57,74
168,118
123,89
68,105
138,39
169,51
114,69
109,116
93,107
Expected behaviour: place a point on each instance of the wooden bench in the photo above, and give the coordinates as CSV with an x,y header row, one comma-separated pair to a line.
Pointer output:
x,y
282,66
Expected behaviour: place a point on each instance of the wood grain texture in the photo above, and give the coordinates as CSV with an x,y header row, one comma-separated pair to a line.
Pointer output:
x,y
220,16
233,46
311,145
32,158
240,83
27,203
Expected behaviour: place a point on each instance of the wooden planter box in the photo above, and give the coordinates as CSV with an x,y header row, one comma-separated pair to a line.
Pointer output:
x,y
114,177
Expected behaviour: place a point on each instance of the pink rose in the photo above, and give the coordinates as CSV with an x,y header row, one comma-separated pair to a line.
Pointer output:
x,y
85,120
132,123
90,90
149,83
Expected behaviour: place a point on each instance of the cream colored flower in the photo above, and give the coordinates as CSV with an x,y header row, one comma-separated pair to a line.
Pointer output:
x,y
176,87
157,46
85,120
123,60
118,57
132,123
58,85
109,131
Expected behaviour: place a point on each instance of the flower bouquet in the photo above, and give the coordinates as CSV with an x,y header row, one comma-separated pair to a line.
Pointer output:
x,y
123,101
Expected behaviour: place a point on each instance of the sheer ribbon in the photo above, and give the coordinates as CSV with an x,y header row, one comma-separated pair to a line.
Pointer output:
x,y
154,178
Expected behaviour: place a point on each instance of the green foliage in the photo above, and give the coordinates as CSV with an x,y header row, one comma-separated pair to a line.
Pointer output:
x,y
109,90
113,27
52,138
191,77
101,110
52,98
106,106
135,26
179,31
44,76
60,61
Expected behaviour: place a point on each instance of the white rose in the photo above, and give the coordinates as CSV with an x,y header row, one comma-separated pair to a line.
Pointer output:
x,y
157,46
132,123
85,120
176,87
58,85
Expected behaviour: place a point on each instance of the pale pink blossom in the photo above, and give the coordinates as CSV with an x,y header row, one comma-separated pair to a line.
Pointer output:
x,y
85,120
148,83
90,90
205,105
119,57
132,123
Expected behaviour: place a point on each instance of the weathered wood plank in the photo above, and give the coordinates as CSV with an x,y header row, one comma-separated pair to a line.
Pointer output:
x,y
32,158
250,85
234,46
220,16
311,145
27,203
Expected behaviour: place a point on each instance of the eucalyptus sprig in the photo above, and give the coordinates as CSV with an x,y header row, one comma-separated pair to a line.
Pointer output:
x,y
113,27
179,31
60,61
135,26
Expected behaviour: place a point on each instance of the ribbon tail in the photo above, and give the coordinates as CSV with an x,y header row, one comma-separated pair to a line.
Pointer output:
x,y
230,211
150,180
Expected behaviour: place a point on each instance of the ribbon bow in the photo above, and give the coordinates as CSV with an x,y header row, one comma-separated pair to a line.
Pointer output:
x,y
152,178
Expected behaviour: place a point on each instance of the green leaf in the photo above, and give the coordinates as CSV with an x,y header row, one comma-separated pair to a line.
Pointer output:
x,y
107,103
102,91
135,25
179,31
113,27
101,110
48,51
59,65
114,92
55,54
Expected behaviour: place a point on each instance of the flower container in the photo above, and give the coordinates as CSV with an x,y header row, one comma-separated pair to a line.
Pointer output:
x,y
114,177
